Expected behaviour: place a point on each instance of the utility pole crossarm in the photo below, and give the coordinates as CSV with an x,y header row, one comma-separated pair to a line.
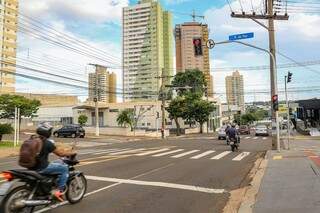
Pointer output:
x,y
254,16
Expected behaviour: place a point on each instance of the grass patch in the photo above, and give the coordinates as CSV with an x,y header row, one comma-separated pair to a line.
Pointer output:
x,y
7,144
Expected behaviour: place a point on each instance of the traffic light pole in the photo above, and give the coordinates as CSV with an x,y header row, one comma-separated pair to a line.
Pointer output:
x,y
288,110
274,82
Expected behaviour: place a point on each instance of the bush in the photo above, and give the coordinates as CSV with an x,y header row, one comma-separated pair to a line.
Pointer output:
x,y
82,119
5,129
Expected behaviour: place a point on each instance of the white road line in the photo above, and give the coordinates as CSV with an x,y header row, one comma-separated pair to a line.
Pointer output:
x,y
109,151
158,184
221,155
264,138
203,154
167,153
128,151
255,138
185,153
248,137
152,152
241,156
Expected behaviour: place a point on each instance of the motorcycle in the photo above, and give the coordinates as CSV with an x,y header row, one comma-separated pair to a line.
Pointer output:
x,y
227,140
234,143
25,189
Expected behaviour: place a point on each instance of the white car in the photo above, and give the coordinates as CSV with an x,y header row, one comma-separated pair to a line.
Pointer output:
x,y
222,134
262,130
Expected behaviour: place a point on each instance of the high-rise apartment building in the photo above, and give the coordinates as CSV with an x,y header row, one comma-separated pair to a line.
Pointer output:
x,y
185,55
147,49
8,44
234,89
102,85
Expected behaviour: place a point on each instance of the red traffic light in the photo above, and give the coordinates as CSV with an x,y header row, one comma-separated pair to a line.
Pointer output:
x,y
197,41
275,97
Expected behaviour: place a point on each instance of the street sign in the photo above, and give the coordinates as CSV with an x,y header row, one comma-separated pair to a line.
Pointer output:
x,y
241,36
210,44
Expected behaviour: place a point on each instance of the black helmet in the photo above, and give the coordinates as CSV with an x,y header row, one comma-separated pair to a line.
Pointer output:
x,y
233,125
45,130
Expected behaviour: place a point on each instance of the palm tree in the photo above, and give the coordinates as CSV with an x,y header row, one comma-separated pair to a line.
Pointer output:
x,y
126,117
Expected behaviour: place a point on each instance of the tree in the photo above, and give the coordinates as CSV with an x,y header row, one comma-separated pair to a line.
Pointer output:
x,y
200,111
82,119
248,118
5,129
28,107
193,78
177,109
126,117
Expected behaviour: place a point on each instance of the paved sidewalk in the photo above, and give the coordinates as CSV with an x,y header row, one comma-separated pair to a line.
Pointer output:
x,y
291,183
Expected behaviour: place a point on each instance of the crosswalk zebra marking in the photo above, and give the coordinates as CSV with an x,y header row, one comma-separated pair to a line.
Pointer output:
x,y
152,152
185,153
248,137
109,151
221,155
168,153
255,138
128,151
241,156
203,154
264,138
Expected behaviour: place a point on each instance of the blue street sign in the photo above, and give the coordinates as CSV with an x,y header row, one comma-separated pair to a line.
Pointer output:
x,y
241,36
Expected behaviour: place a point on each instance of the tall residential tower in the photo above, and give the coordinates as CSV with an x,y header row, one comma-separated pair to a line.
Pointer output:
x,y
8,44
234,89
147,50
185,56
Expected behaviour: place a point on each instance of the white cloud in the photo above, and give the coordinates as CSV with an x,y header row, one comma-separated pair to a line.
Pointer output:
x,y
76,10
176,1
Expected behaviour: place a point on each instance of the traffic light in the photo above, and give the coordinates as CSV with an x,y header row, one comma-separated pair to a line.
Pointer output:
x,y
197,46
206,92
289,77
275,103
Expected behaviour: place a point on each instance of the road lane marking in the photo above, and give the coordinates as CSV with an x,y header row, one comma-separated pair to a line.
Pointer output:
x,y
108,151
128,151
241,156
277,157
95,151
264,138
152,152
158,184
255,138
203,154
168,153
221,155
185,153
248,137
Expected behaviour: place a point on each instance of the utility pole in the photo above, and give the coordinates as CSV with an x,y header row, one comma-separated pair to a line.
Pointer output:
x,y
270,16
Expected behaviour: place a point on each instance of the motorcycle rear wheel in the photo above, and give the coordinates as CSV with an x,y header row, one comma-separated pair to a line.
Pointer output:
x,y
9,204
77,188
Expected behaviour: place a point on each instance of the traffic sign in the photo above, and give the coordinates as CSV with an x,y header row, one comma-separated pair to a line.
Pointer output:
x,y
210,44
241,36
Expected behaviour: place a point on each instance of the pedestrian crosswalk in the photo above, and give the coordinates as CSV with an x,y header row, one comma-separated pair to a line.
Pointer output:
x,y
174,153
253,137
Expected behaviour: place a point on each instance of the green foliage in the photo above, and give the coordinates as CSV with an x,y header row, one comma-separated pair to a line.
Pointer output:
x,y
190,78
200,111
248,118
82,119
177,109
126,117
5,129
28,107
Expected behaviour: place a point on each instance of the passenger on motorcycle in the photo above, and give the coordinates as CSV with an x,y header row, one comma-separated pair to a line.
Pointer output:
x,y
43,166
233,133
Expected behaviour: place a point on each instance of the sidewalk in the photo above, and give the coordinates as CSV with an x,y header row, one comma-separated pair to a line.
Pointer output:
x,y
291,183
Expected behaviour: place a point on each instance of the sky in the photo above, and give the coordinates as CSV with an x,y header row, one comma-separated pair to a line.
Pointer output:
x,y
98,24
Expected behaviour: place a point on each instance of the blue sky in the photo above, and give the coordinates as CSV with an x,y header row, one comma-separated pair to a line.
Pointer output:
x,y
98,22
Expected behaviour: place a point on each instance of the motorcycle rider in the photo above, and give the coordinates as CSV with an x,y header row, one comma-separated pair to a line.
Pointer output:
x,y
233,133
43,166
227,133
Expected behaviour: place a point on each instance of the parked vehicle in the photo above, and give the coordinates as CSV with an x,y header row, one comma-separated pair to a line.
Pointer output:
x,y
70,131
244,129
222,134
28,189
262,130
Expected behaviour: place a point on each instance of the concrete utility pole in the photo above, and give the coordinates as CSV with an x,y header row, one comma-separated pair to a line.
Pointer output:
x,y
270,16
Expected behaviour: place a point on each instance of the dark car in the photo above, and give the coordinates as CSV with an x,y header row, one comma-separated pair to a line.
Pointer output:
x,y
244,130
70,131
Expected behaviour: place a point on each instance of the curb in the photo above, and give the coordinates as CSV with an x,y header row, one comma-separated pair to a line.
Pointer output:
x,y
252,190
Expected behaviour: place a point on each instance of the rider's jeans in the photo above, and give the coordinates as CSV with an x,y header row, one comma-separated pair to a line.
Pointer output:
x,y
58,167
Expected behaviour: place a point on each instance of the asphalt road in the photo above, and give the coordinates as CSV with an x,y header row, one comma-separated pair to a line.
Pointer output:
x,y
193,174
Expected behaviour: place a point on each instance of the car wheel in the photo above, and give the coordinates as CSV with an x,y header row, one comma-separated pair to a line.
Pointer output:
x,y
81,136
56,134
73,135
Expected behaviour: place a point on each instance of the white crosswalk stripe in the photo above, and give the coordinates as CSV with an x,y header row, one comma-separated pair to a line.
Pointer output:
x,y
152,152
248,137
255,138
185,153
241,156
203,154
168,153
221,155
264,138
109,151
127,152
